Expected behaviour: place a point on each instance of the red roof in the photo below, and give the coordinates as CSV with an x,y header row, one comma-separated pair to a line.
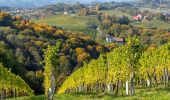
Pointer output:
x,y
119,39
136,17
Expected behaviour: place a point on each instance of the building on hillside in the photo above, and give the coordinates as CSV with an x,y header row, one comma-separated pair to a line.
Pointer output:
x,y
65,13
70,12
118,41
138,17
109,38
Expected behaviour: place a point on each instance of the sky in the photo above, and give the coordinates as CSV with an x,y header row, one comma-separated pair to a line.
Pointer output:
x,y
34,3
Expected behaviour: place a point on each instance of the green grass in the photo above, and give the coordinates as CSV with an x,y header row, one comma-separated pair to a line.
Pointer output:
x,y
115,12
71,22
141,94
80,23
146,24
152,10
152,24
4,28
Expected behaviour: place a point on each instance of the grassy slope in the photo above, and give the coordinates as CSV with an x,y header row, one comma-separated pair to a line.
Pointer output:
x,y
153,24
4,28
141,94
154,10
115,12
79,23
69,22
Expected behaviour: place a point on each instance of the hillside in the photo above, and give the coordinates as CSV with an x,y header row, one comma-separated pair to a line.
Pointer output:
x,y
77,51
23,43
72,23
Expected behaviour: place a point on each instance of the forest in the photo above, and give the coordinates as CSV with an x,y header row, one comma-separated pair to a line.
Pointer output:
x,y
23,44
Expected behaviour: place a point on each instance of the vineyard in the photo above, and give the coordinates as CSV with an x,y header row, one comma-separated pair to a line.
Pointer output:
x,y
75,51
51,67
127,67
12,85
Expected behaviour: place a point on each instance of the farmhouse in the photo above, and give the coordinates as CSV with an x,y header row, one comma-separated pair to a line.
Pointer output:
x,y
65,13
119,41
137,18
109,38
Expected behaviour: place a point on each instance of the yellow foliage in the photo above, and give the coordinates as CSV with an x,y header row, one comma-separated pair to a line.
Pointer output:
x,y
99,49
59,32
38,43
79,51
89,47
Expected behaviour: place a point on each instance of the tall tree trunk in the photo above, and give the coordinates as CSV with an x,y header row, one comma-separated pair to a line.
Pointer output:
x,y
14,93
127,88
117,87
1,95
143,82
51,90
164,76
108,87
149,81
80,88
121,84
112,87
92,88
167,76
5,95
84,88
97,86
138,82
132,91
88,88
155,79
103,88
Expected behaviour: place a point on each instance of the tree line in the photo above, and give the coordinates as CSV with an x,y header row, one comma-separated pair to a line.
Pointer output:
x,y
121,27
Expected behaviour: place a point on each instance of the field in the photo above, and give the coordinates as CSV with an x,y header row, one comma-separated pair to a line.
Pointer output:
x,y
4,28
115,12
71,22
146,24
152,24
154,10
141,94
81,23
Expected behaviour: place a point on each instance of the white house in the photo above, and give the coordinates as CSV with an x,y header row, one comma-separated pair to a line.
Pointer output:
x,y
109,38
119,41
65,13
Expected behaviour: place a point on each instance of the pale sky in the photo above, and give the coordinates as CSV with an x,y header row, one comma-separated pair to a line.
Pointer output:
x,y
25,3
